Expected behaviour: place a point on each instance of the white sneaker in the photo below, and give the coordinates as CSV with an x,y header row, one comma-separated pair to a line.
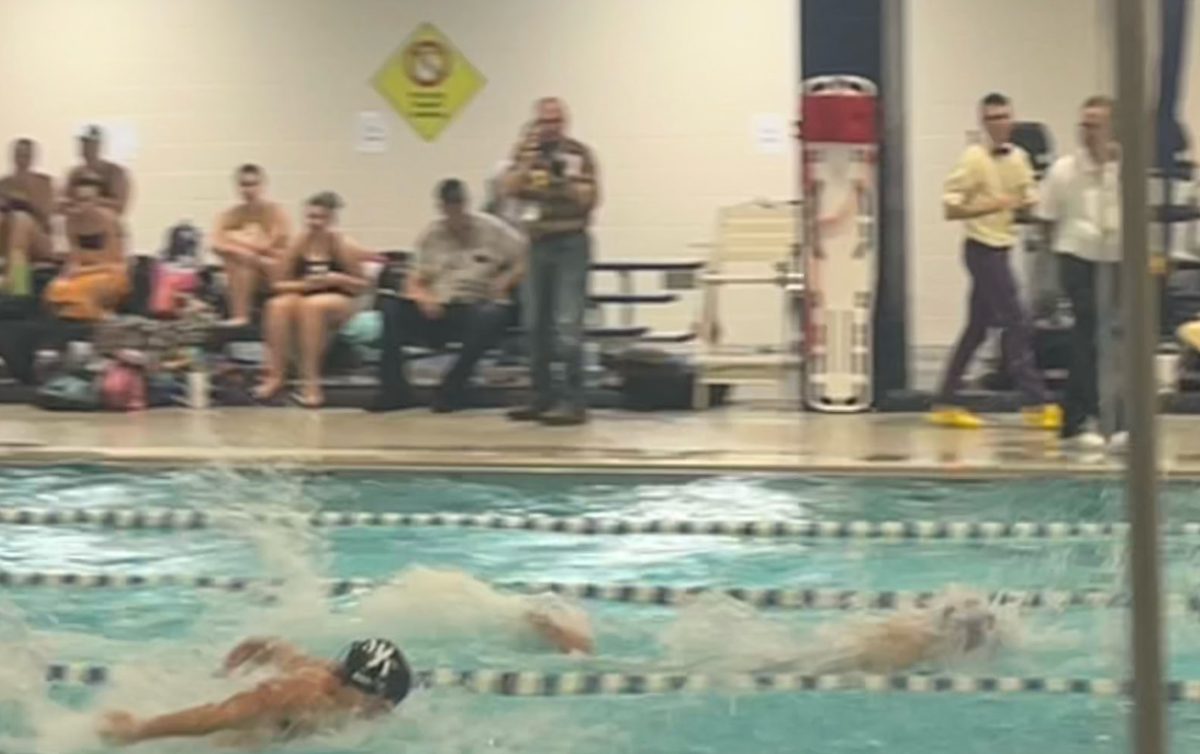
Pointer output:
x,y
1118,443
1086,440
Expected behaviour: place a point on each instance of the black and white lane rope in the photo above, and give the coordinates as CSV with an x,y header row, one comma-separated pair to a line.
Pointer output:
x,y
548,684
165,519
637,594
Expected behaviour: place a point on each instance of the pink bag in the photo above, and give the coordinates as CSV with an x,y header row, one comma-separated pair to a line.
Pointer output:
x,y
170,286
123,385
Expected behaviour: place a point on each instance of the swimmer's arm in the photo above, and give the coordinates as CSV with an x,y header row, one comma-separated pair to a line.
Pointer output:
x,y
267,651
560,637
241,711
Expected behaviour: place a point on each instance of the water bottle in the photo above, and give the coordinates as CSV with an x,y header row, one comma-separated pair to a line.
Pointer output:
x,y
197,381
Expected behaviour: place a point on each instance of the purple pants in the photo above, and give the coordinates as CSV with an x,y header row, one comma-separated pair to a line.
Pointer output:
x,y
994,303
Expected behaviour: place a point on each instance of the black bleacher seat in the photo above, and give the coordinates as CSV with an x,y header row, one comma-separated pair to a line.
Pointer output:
x,y
1176,213
646,266
669,337
633,298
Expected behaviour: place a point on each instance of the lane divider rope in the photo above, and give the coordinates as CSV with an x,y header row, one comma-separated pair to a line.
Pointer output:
x,y
540,684
638,594
171,519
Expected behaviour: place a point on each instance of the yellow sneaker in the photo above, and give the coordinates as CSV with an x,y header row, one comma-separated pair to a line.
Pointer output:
x,y
1189,333
954,417
1049,417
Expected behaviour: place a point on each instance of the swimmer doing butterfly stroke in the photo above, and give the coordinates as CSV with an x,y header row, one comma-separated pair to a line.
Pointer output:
x,y
309,695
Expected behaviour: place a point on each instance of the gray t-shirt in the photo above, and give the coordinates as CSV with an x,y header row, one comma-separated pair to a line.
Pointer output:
x,y
465,269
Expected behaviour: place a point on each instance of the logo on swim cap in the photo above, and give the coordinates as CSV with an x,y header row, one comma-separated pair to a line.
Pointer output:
x,y
377,667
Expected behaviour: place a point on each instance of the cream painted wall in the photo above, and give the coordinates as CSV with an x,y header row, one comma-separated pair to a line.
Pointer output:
x,y
1045,54
665,91
1190,91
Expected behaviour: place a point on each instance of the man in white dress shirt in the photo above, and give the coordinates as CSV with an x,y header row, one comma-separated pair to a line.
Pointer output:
x,y
1081,206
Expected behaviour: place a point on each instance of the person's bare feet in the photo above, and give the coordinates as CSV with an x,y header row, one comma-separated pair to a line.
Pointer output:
x,y
310,396
268,389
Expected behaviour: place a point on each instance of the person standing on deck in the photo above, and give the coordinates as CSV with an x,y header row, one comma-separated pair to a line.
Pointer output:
x,y
555,178
1081,206
990,185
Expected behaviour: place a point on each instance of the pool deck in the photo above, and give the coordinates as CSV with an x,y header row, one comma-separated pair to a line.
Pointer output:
x,y
732,439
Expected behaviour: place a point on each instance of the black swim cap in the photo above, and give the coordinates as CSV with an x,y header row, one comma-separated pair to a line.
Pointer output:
x,y
377,667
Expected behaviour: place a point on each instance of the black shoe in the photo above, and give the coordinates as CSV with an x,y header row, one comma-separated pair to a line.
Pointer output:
x,y
564,417
527,414
383,403
446,402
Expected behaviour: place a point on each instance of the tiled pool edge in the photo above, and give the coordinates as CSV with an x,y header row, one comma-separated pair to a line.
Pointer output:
x,y
612,462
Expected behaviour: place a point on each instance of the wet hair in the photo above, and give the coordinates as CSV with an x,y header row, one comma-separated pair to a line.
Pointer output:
x,y
249,169
995,99
376,667
327,200
452,191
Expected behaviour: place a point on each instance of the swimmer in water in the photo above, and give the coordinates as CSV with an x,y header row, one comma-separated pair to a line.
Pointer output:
x,y
307,695
959,624
437,602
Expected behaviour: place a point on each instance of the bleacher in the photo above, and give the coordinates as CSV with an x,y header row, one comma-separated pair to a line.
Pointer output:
x,y
613,325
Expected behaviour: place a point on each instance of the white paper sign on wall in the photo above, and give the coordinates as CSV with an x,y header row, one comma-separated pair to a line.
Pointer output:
x,y
770,133
370,132
122,143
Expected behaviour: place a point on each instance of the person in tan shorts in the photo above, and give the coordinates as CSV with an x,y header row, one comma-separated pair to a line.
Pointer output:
x,y
249,237
94,280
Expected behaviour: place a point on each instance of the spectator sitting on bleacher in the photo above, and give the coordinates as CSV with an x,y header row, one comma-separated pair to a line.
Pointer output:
x,y
249,237
94,279
314,284
26,209
112,179
466,268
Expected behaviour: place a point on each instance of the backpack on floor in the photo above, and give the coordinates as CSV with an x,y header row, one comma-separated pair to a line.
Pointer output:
x,y
69,392
123,387
654,380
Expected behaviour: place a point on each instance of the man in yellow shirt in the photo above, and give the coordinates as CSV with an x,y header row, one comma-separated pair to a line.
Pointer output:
x,y
990,185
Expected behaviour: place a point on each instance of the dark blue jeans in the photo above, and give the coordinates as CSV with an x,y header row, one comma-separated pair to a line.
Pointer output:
x,y
556,297
475,327
994,304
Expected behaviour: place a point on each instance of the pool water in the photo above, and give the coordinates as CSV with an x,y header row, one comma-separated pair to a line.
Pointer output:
x,y
162,643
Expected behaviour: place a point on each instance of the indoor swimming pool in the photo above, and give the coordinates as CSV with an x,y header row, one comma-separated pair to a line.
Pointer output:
x,y
449,595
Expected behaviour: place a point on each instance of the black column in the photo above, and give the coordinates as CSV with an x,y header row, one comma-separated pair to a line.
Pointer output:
x,y
865,38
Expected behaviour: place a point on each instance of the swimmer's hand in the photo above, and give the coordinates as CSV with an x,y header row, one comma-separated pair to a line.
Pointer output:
x,y
261,651
119,729
562,638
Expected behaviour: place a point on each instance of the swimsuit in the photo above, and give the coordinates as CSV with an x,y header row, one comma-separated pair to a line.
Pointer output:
x,y
91,241
310,268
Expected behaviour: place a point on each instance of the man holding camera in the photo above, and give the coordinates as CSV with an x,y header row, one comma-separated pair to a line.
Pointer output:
x,y
554,177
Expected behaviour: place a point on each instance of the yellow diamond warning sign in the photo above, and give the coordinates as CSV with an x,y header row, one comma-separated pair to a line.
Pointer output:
x,y
428,81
